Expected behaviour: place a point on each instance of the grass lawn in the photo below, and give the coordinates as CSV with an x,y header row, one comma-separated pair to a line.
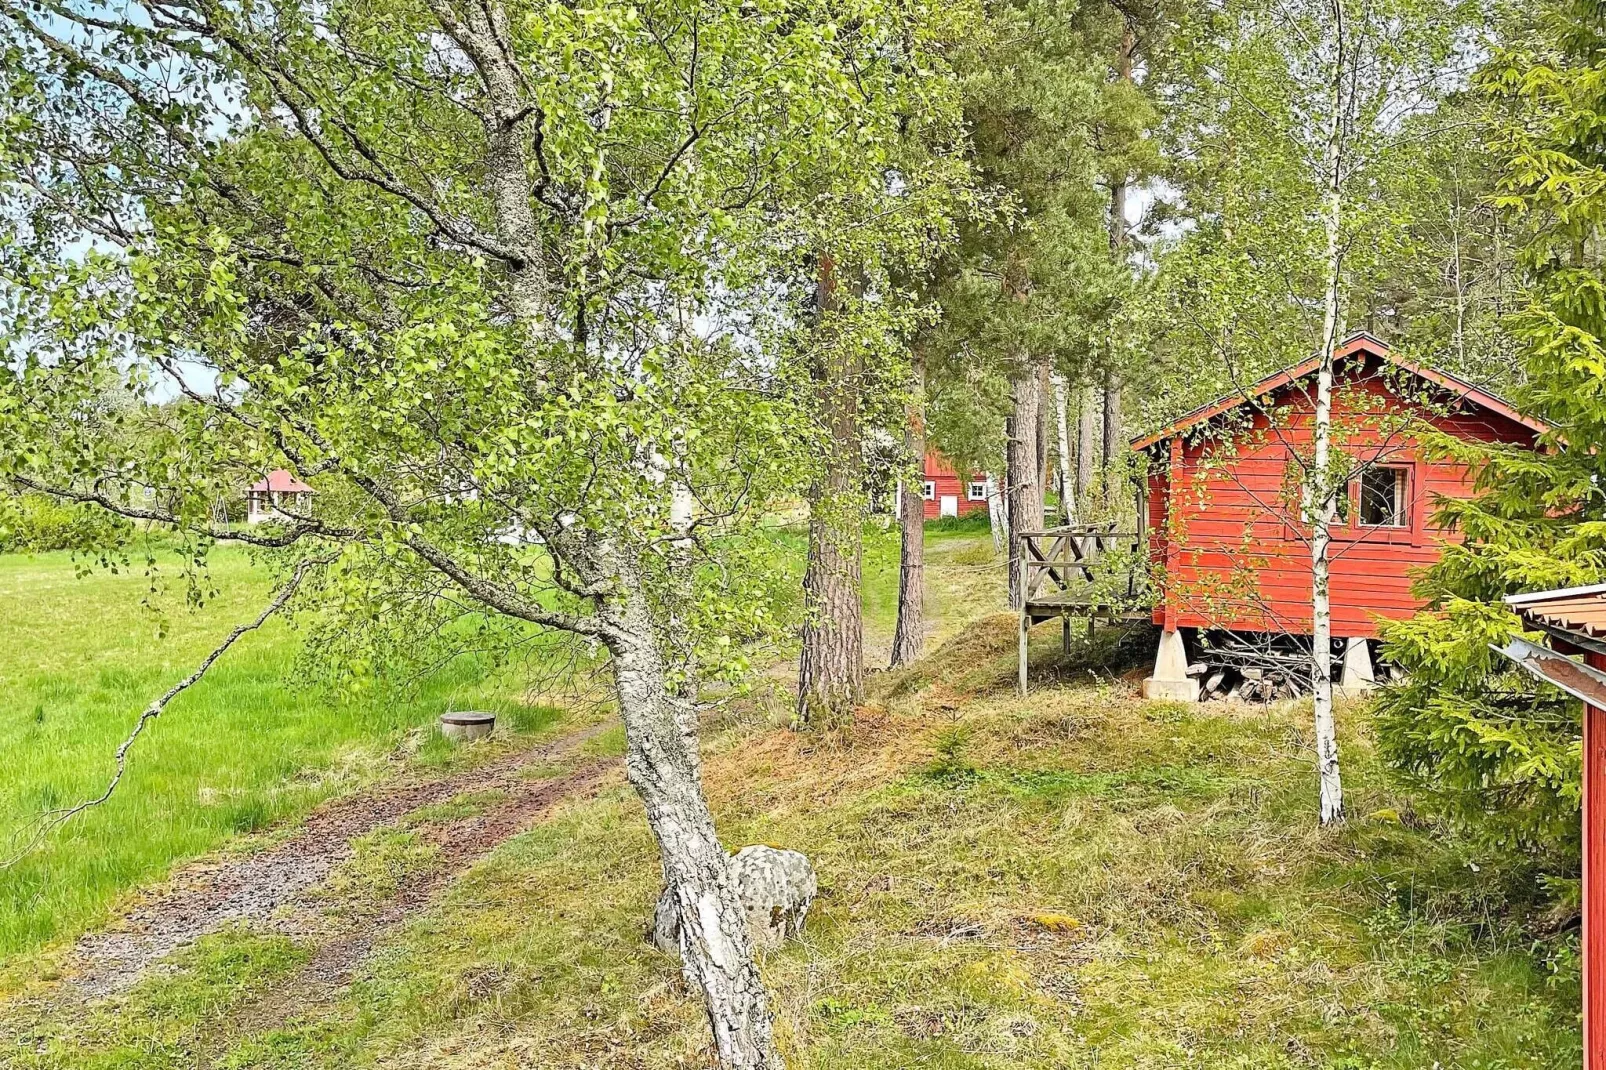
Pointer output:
x,y
79,658
1081,879
247,747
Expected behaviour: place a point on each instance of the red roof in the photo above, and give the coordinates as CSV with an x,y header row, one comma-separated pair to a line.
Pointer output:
x,y
1359,342
281,482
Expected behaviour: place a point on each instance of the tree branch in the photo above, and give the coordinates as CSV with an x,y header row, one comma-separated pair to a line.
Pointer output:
x,y
54,819
303,527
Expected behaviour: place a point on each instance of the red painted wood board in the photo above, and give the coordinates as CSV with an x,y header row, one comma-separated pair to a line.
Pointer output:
x,y
1594,818
947,484
1225,521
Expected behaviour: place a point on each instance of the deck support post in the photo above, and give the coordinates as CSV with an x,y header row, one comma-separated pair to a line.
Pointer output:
x,y
1171,680
1356,678
1065,634
1025,636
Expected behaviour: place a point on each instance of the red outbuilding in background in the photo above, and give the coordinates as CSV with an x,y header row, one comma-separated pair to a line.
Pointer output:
x,y
946,494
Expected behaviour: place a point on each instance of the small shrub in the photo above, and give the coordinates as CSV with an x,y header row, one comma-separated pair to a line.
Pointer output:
x,y
951,766
34,523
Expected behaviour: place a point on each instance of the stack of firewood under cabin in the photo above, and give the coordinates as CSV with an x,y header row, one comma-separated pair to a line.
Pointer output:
x,y
1256,668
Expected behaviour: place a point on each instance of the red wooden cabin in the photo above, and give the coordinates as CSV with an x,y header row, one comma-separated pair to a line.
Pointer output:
x,y
1223,515
279,489
945,494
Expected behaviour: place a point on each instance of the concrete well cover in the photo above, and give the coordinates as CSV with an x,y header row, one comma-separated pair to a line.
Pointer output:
x,y
468,718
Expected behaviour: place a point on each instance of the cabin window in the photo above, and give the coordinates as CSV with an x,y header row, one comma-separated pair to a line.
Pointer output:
x,y
977,492
1383,497
928,490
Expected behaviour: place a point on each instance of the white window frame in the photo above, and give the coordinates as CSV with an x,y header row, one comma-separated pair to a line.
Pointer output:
x,y
928,490
976,491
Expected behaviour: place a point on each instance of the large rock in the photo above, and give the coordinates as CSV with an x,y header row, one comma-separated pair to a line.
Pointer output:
x,y
776,888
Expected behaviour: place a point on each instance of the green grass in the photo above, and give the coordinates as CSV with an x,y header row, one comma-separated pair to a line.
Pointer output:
x,y
243,749
963,578
1078,880
248,747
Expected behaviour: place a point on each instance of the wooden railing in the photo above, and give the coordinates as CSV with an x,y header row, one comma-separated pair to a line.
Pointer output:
x,y
1068,572
1069,559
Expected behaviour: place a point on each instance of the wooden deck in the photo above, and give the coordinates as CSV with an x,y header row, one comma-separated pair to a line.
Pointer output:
x,y
1081,571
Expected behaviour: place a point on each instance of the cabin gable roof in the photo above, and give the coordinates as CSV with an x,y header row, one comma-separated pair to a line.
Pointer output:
x,y
1358,343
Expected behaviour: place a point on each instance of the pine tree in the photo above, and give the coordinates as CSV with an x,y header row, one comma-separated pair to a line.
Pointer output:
x,y
1479,739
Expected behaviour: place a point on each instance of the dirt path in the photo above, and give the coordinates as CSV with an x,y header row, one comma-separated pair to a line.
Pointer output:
x,y
276,889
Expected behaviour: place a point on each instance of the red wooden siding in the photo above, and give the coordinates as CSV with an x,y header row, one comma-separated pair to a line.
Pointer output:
x,y
948,483
1224,522
1594,773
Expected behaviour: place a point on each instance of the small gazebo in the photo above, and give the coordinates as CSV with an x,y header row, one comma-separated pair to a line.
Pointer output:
x,y
277,497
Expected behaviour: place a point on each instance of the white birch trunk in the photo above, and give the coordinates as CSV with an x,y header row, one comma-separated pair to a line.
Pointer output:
x,y
662,763
1322,493
997,520
1062,418
661,757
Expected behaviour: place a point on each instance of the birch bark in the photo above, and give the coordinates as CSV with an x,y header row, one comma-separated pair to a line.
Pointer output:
x,y
663,764
1321,492
997,515
661,757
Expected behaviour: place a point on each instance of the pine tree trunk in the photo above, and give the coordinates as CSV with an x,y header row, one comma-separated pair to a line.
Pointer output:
x,y
1120,190
831,664
1024,501
910,634
1044,408
662,763
1114,443
1086,427
1322,491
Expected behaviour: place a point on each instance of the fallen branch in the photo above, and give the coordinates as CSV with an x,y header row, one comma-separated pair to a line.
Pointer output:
x,y
54,819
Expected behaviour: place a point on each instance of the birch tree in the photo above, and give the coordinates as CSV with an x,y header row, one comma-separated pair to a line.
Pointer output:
x,y
498,279
1301,123
1536,523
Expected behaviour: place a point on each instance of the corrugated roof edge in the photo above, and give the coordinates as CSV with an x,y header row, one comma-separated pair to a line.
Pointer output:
x,y
1535,597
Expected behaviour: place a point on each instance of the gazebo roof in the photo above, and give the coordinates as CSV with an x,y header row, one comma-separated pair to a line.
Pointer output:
x,y
281,482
